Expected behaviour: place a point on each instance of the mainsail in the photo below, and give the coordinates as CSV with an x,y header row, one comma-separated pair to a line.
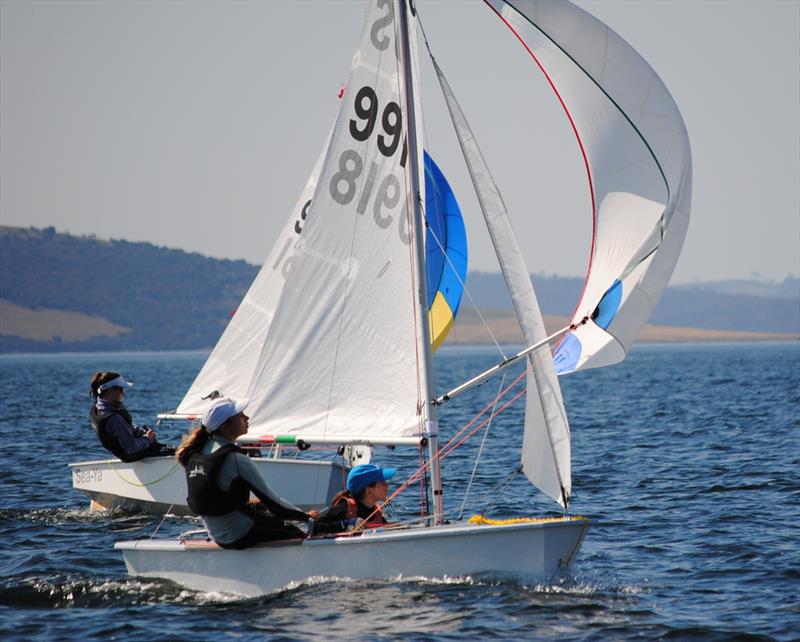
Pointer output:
x,y
638,162
229,369
340,358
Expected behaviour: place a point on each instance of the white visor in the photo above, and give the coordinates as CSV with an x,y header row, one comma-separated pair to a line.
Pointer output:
x,y
119,382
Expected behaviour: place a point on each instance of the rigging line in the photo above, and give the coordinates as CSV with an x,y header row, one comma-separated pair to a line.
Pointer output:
x,y
463,284
424,498
532,362
465,289
501,488
424,35
480,452
442,453
164,518
484,422
492,405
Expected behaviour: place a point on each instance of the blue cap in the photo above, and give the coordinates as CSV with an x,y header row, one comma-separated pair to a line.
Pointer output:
x,y
365,474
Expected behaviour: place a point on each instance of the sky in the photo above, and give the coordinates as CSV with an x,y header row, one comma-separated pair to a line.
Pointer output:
x,y
194,125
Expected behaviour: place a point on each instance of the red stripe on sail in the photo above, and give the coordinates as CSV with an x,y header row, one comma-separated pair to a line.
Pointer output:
x,y
577,136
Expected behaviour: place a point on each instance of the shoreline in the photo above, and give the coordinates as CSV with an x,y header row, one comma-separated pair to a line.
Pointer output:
x,y
470,330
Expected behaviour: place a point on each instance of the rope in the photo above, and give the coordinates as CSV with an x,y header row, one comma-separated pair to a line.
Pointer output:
x,y
480,519
449,447
480,452
423,487
150,483
502,487
444,452
438,242
164,517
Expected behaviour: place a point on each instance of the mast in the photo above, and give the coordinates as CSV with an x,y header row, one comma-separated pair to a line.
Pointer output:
x,y
413,196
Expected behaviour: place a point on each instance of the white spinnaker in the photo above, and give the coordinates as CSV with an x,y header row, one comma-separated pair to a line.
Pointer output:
x,y
230,366
546,440
639,162
339,358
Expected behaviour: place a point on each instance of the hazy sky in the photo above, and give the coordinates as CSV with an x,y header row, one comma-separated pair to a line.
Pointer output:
x,y
194,125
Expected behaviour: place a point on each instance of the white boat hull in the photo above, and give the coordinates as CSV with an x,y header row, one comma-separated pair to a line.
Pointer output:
x,y
158,484
537,549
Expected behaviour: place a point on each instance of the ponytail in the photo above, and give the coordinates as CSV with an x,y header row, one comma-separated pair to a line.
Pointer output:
x,y
193,442
341,495
99,379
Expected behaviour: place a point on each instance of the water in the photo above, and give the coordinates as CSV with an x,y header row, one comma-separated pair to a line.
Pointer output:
x,y
687,457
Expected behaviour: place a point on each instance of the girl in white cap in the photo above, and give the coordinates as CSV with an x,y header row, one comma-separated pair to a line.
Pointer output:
x,y
220,477
113,424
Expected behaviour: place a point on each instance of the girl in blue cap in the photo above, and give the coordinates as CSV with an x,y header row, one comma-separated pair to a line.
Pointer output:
x,y
367,484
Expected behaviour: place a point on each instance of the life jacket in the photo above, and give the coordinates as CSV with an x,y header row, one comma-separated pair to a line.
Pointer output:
x,y
351,515
109,441
205,496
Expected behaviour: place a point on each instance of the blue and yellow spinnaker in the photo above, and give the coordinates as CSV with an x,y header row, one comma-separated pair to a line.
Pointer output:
x,y
446,250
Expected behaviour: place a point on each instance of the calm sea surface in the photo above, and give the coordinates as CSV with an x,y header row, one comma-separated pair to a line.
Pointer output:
x,y
687,456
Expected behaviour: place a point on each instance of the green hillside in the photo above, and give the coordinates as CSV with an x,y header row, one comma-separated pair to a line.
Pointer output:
x,y
65,293
166,299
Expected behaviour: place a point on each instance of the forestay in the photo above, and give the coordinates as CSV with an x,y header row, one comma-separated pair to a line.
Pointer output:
x,y
340,358
638,163
546,440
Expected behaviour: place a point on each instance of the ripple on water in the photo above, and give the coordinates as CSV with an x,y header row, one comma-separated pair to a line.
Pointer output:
x,y
682,456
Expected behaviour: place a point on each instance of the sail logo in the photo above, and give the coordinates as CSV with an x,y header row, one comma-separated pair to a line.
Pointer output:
x,y
197,471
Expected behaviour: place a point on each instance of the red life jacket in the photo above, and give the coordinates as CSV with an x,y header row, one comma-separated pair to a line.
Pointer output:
x,y
375,520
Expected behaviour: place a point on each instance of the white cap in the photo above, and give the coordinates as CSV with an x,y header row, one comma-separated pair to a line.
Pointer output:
x,y
119,382
220,411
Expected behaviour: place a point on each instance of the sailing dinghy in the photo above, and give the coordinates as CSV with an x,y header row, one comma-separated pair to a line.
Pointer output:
x,y
158,484
347,356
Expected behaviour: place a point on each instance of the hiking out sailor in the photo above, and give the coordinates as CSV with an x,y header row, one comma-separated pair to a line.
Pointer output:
x,y
220,477
367,484
113,424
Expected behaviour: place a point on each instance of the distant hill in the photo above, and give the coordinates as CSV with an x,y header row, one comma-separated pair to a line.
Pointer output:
x,y
789,288
712,308
164,299
60,292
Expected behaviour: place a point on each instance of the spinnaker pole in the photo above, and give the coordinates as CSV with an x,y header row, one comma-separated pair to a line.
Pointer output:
x,y
413,199
484,376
